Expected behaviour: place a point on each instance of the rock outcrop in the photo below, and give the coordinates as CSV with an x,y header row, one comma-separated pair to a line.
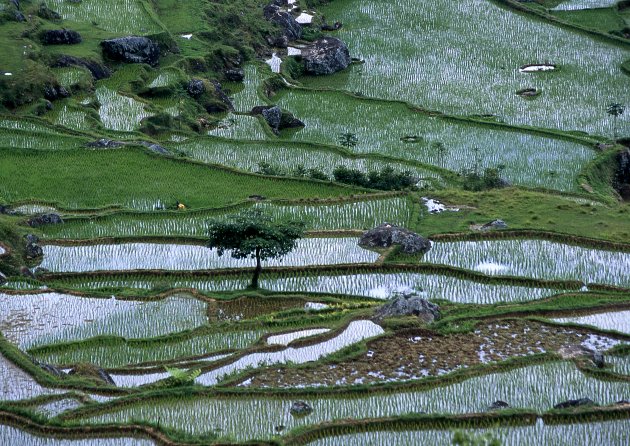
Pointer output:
x,y
386,235
44,219
132,49
98,71
61,37
494,224
290,28
277,118
326,56
52,92
234,74
409,305
195,88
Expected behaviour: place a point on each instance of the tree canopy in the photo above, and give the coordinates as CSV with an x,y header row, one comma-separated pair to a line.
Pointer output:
x,y
254,234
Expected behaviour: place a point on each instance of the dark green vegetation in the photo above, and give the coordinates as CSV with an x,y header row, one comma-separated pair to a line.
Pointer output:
x,y
147,163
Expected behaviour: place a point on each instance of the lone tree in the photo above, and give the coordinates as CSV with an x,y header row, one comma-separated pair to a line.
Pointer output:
x,y
348,140
253,234
615,110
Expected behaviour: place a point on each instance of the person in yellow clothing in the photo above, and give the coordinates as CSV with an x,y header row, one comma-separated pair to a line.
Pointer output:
x,y
180,206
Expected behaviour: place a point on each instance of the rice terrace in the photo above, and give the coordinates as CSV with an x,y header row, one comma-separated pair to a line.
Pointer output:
x,y
314,222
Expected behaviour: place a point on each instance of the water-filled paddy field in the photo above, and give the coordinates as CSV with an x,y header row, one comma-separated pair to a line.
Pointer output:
x,y
134,256
535,258
537,387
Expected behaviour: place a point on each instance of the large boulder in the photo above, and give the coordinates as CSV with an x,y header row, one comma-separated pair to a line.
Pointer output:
x,y
33,251
291,29
409,304
196,88
98,71
386,235
52,92
494,224
285,120
273,115
498,405
44,219
61,37
326,56
132,49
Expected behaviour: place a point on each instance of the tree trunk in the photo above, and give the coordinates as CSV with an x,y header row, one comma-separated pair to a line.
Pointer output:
x,y
257,270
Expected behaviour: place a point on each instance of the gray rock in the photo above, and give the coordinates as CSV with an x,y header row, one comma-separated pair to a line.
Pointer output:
x,y
409,305
326,56
48,368
498,405
92,371
494,224
300,408
61,37
386,235
33,251
98,71
3,278
132,49
44,219
104,143
273,115
221,95
31,238
598,360
291,29
575,403
196,88
234,74
55,92
19,16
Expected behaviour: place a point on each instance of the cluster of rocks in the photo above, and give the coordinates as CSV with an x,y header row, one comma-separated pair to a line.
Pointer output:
x,y
568,404
324,56
32,250
300,409
44,219
386,235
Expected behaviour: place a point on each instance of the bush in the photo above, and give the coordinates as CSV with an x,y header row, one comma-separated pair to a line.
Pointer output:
x,y
490,179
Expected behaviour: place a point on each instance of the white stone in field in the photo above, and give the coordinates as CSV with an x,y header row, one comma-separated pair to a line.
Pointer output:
x,y
186,36
293,51
304,18
274,63
491,268
535,68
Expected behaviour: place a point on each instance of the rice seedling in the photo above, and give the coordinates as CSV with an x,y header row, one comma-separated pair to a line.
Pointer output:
x,y
392,129
119,354
572,5
538,387
26,139
350,215
285,157
248,97
37,319
614,320
535,258
12,435
119,112
131,178
115,16
239,127
165,77
132,256
16,384
383,286
68,116
445,69
70,76
618,364
610,433
355,332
